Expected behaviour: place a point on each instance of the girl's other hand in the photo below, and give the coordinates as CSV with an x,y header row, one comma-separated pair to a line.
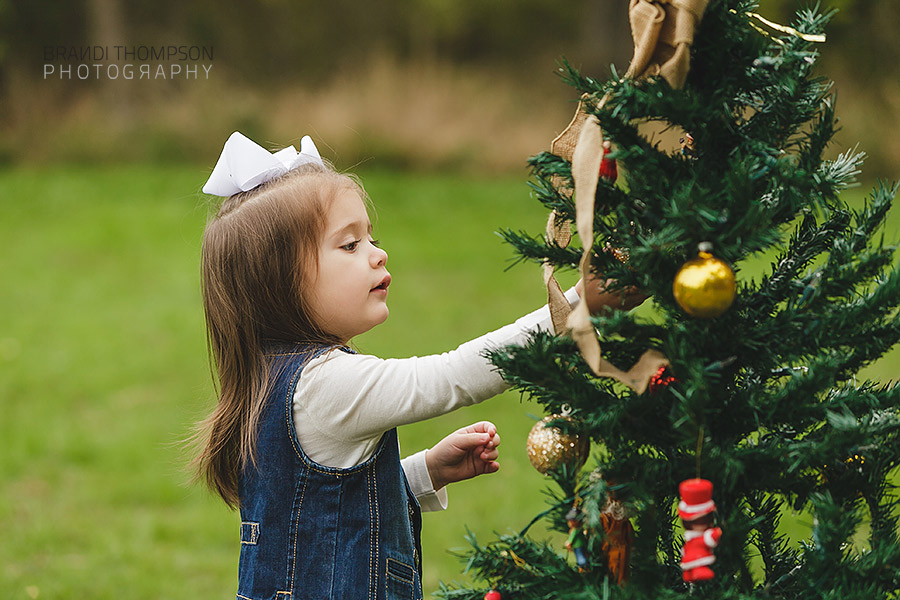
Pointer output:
x,y
595,292
463,454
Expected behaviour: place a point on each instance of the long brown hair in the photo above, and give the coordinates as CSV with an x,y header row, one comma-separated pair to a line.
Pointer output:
x,y
258,263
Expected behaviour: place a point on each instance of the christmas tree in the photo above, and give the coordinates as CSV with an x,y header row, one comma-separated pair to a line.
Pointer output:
x,y
730,402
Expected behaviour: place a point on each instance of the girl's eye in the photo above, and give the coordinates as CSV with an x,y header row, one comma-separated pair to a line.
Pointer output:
x,y
376,243
351,246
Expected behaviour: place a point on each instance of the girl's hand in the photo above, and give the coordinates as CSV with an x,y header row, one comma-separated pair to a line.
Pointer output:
x,y
594,292
463,454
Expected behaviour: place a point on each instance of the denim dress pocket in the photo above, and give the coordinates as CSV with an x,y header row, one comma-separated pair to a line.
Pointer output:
x,y
400,580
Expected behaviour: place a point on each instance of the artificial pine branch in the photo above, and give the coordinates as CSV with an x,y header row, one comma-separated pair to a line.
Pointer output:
x,y
539,249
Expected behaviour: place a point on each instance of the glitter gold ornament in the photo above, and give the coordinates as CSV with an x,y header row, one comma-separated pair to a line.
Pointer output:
x,y
704,287
549,448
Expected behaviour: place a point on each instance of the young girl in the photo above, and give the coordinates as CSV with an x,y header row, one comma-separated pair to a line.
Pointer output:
x,y
303,439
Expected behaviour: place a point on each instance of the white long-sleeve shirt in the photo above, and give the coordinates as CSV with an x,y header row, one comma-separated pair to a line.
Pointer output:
x,y
344,403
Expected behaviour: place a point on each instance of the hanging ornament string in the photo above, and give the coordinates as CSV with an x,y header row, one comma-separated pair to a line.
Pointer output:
x,y
697,512
699,449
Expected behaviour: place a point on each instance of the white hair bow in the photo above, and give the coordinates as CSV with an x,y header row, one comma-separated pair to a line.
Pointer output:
x,y
244,164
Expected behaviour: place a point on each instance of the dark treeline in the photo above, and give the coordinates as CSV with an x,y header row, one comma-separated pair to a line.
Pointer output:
x,y
270,44
280,40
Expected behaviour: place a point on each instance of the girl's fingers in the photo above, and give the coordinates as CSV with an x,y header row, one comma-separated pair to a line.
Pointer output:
x,y
489,455
473,441
481,427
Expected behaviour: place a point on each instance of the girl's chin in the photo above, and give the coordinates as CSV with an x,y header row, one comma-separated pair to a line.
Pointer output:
x,y
376,320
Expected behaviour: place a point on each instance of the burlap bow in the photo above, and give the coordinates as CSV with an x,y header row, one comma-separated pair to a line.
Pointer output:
x,y
663,31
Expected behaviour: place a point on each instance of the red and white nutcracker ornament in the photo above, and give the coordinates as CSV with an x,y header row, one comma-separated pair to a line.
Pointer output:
x,y
700,537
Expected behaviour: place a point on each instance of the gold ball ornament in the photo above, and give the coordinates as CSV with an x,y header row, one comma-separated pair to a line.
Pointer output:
x,y
549,448
704,287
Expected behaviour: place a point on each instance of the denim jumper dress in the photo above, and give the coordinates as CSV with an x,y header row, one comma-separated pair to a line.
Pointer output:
x,y
314,532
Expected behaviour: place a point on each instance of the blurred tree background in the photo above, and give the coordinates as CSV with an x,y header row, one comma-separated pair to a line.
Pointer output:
x,y
414,83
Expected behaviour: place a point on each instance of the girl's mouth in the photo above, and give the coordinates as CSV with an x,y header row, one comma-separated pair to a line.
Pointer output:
x,y
383,286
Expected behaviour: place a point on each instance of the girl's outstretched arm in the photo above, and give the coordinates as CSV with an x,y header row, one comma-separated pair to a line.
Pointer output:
x,y
464,454
343,403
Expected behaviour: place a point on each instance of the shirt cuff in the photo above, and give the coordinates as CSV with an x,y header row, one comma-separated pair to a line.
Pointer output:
x,y
420,483
572,296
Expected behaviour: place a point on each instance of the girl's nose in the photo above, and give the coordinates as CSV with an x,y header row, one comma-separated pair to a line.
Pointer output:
x,y
379,257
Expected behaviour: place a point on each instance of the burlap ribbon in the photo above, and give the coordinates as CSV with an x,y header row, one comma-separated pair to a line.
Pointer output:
x,y
663,31
586,155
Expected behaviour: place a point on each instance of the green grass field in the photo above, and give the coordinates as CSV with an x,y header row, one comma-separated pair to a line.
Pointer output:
x,y
103,370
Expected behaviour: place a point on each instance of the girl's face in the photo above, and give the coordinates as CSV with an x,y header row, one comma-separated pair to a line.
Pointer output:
x,y
349,296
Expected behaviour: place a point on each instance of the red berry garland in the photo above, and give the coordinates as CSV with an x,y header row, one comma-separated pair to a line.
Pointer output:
x,y
662,379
